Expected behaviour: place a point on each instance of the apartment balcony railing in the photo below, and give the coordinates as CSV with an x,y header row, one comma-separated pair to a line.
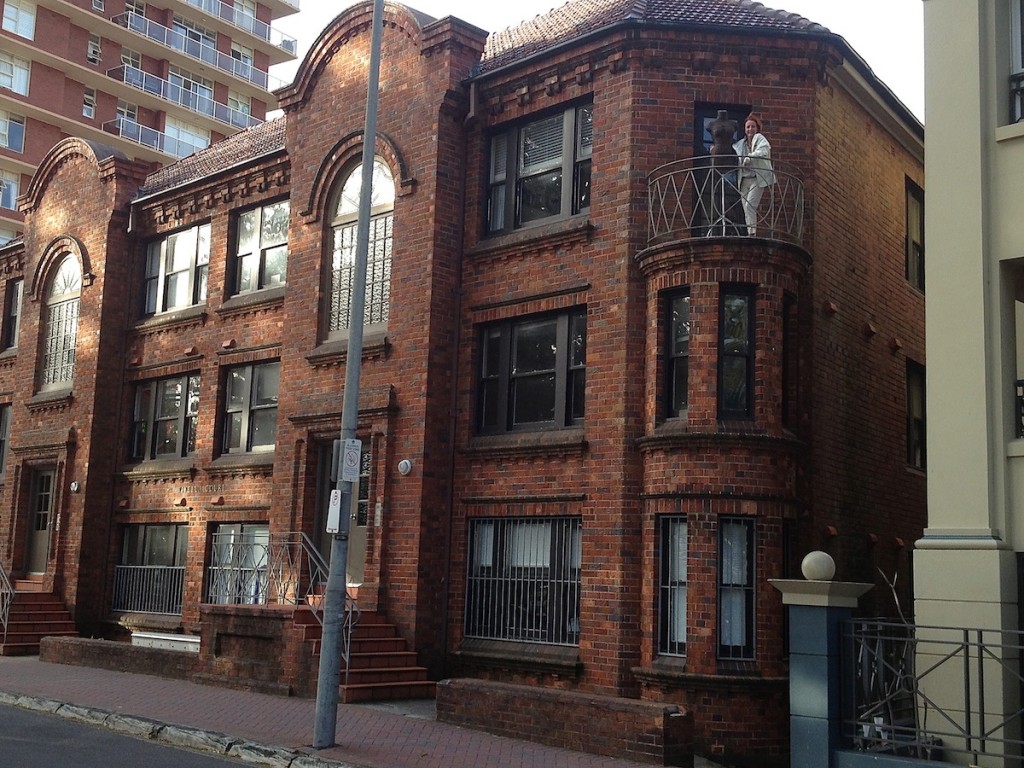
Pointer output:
x,y
698,198
244,21
191,100
149,137
6,598
933,692
148,588
197,50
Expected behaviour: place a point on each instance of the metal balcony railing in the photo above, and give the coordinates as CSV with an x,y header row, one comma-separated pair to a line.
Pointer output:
x,y
933,692
244,21
148,588
6,598
149,137
197,50
698,197
176,94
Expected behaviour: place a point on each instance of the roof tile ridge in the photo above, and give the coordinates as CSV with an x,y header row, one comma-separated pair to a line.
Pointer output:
x,y
782,15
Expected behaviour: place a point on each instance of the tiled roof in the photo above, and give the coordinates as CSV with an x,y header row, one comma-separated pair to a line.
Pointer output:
x,y
579,17
259,140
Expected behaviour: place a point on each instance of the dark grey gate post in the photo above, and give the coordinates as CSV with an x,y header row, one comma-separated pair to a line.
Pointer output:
x,y
817,609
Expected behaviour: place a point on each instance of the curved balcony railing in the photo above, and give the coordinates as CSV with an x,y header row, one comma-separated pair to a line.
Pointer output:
x,y
184,97
197,50
237,17
698,197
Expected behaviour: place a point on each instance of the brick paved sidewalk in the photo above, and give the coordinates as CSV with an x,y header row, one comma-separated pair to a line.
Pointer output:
x,y
269,729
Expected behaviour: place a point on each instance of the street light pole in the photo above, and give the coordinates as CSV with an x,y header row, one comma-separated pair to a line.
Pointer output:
x,y
329,676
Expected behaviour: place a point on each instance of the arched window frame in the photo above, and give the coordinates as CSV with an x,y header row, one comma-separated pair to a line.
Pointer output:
x,y
341,251
60,330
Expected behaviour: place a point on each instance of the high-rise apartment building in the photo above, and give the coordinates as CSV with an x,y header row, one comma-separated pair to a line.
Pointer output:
x,y
155,80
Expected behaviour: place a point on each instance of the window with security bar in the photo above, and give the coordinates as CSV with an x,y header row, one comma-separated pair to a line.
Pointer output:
x,y
672,592
524,580
736,582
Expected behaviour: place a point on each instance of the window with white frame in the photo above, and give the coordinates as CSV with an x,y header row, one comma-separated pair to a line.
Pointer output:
x,y
60,331
12,131
190,90
10,181
377,304
127,111
191,37
533,373
672,550
131,58
540,170
94,50
98,5
241,108
262,251
184,138
736,582
242,53
250,408
176,270
524,579
135,6
245,14
20,18
165,418
14,73
6,235
13,296
89,103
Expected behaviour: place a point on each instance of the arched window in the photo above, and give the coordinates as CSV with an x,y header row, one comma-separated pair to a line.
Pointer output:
x,y
343,250
60,331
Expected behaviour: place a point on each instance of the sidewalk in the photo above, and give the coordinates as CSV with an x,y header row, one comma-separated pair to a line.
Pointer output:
x,y
270,730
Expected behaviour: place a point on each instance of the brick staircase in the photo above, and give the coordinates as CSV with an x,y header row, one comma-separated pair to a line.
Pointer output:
x,y
34,615
381,668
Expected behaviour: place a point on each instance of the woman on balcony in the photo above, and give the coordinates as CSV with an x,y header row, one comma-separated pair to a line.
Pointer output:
x,y
755,171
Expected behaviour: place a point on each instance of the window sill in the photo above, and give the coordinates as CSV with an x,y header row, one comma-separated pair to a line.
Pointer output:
x,y
242,464
563,232
375,345
547,442
676,433
239,304
159,468
672,671
533,657
1010,132
188,316
50,400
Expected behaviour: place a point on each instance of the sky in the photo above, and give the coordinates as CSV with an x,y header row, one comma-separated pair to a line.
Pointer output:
x,y
888,34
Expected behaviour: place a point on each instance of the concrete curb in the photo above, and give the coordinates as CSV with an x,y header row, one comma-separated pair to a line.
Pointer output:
x,y
176,735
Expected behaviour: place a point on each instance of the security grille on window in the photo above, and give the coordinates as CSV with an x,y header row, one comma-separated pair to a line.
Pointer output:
x,y
20,18
524,580
176,270
12,131
736,353
378,261
14,74
533,373
151,575
678,354
166,414
262,256
736,588
915,235
60,332
672,542
239,556
250,408
541,170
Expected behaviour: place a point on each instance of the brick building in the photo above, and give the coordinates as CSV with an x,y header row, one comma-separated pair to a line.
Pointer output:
x,y
618,413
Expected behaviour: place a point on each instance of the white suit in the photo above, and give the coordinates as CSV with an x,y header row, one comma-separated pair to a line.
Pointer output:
x,y
755,173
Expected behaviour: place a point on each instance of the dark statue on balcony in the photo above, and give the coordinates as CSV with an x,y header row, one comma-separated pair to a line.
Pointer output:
x,y
722,204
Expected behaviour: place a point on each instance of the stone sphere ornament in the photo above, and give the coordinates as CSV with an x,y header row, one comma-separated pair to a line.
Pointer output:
x,y
818,566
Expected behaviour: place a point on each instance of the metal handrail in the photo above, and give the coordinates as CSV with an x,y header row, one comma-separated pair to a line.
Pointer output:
x,y
920,691
236,18
698,197
6,599
149,137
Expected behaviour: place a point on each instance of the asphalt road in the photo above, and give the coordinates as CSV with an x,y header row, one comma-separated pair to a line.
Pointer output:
x,y
37,740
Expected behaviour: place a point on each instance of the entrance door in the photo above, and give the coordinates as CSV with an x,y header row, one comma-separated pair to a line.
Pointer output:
x,y
40,520
358,515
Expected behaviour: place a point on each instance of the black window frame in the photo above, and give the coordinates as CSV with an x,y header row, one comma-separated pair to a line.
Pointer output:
x,y
705,113
6,412
148,419
249,408
677,359
917,424
157,271
136,542
499,380
257,250
728,353
746,589
14,297
672,581
915,251
506,175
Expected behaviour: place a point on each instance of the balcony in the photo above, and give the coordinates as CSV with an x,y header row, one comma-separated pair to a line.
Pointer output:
x,y
698,198
247,23
197,50
149,137
175,94
148,588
